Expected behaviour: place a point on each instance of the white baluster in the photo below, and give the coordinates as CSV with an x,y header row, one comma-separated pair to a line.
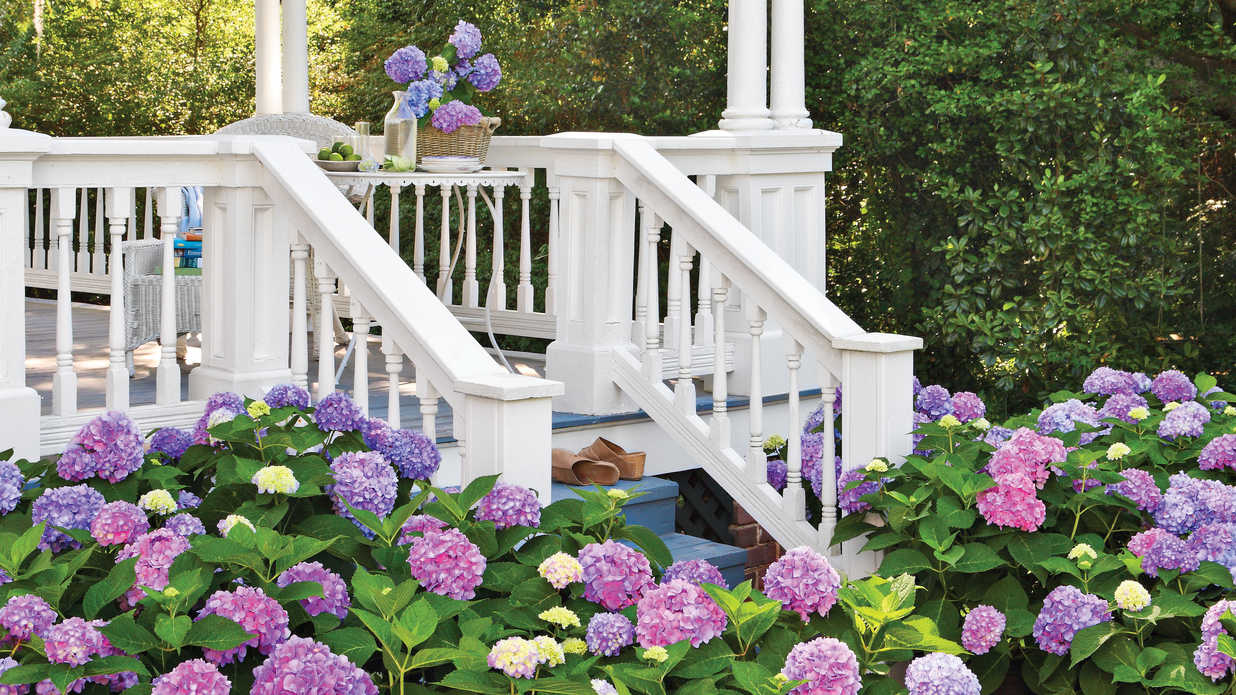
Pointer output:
x,y
148,220
551,289
641,281
64,383
40,232
495,296
98,263
720,430
299,357
684,387
703,312
673,294
828,471
428,397
360,356
757,462
394,228
418,243
524,293
795,496
119,206
82,264
650,276
326,329
394,363
167,376
444,249
131,233
471,288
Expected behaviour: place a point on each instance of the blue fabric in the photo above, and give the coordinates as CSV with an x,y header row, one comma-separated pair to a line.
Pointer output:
x,y
191,212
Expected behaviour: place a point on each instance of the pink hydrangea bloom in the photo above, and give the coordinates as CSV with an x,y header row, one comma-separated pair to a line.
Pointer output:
x,y
803,581
447,563
1012,503
1209,660
1219,453
335,598
26,615
192,677
510,505
615,575
7,663
828,666
982,629
300,666
256,612
155,552
75,641
419,523
675,611
118,523
109,446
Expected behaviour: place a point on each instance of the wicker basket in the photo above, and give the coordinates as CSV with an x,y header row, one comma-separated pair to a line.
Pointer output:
x,y
468,141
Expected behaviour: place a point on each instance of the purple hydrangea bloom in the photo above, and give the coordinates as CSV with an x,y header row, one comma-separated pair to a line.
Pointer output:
x,y
466,39
1106,381
222,401
412,453
695,572
814,420
118,523
447,563
334,598
68,507
1208,659
187,500
921,419
363,480
982,629
1141,382
75,641
941,674
338,413
917,386
486,73
1119,405
828,666
155,553
676,611
195,677
997,436
776,474
1190,502
849,499
967,406
509,505
403,66
803,581
1173,385
935,401
1189,420
1063,417
170,442
7,663
256,612
1214,543
1140,487
109,446
185,525
416,98
4,577
419,523
301,665
1161,550
11,484
811,448
614,575
285,395
26,615
453,115
1066,611
1215,405
608,633
1219,453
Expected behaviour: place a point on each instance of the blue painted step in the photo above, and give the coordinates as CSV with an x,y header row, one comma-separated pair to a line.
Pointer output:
x,y
656,510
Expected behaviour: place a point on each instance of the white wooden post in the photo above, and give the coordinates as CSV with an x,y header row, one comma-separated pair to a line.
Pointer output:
x,y
878,413
495,296
300,328
268,83
64,382
747,67
789,105
507,418
19,404
245,292
119,204
524,293
167,376
295,57
594,311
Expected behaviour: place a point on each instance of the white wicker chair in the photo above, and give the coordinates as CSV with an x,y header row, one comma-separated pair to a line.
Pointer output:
x,y
143,292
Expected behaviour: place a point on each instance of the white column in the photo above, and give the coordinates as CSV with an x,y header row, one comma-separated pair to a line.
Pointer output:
x,y
245,294
789,96
167,375
19,404
64,382
295,57
267,80
747,76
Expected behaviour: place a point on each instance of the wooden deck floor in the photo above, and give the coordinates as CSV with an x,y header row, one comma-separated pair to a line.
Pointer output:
x,y
90,351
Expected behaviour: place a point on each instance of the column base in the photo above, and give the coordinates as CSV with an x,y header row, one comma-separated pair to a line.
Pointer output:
x,y
585,370
207,381
19,426
731,121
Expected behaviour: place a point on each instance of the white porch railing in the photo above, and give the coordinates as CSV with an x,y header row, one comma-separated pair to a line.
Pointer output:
x,y
264,204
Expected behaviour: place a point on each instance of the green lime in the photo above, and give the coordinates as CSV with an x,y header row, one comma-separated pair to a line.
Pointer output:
x,y
337,147
346,150
352,157
336,157
324,153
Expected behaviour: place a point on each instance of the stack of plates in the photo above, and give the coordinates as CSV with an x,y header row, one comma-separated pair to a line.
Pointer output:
x,y
450,165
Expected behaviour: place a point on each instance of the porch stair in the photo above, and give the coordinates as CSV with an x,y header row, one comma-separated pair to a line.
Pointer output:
x,y
656,510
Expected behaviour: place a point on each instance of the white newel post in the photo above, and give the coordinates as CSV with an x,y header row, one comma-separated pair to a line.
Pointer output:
x,y
507,421
746,105
595,263
245,285
19,404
